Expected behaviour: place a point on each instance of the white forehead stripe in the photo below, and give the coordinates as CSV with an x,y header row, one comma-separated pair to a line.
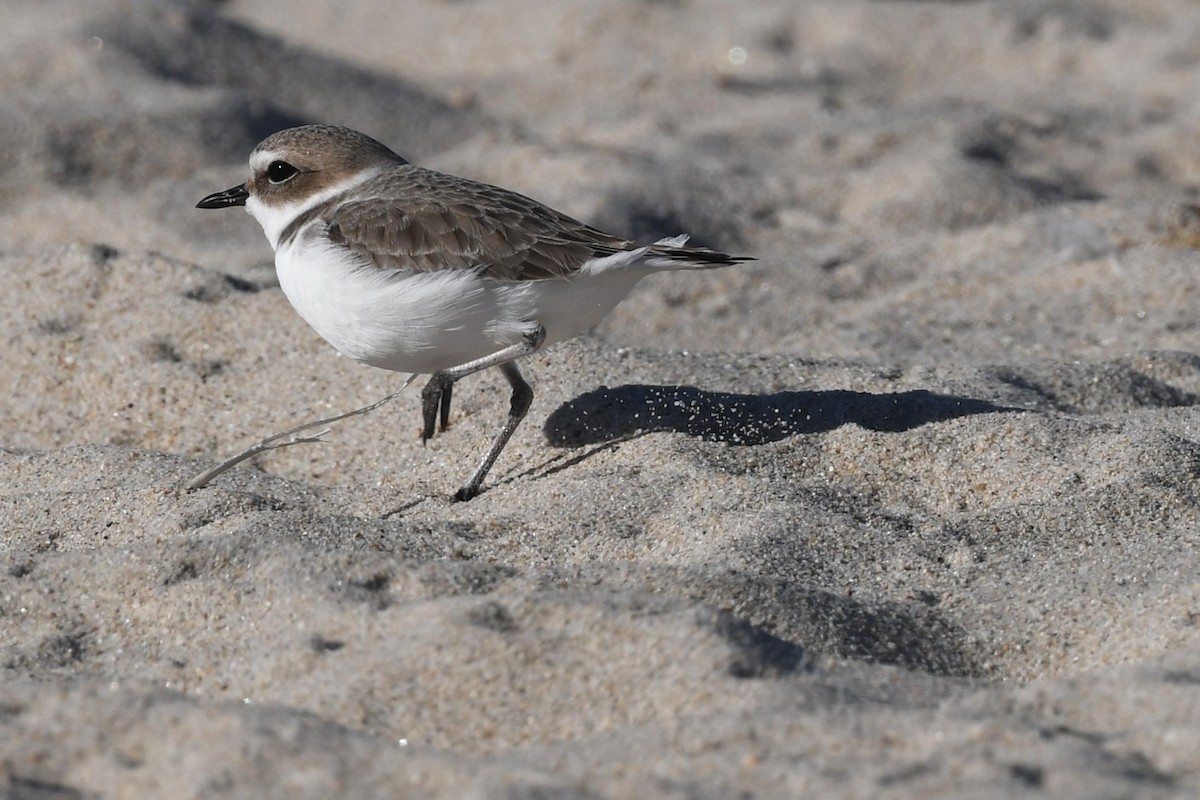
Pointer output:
x,y
261,159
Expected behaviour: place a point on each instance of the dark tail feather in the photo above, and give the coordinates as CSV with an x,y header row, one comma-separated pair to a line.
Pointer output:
x,y
671,254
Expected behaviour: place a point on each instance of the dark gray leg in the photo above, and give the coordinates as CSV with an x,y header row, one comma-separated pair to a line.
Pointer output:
x,y
445,421
522,398
436,396
438,390
436,393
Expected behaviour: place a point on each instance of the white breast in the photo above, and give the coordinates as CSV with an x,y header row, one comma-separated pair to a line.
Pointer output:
x,y
425,322
410,323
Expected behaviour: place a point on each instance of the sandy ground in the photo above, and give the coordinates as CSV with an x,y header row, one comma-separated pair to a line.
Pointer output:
x,y
908,507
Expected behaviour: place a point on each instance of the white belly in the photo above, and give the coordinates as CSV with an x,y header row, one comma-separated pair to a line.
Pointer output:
x,y
425,322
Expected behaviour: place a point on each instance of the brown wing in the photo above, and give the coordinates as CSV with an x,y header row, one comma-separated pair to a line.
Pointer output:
x,y
434,222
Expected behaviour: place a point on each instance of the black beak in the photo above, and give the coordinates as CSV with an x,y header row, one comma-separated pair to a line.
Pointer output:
x,y
230,197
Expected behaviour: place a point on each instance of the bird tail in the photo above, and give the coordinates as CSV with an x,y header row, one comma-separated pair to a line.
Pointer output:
x,y
672,253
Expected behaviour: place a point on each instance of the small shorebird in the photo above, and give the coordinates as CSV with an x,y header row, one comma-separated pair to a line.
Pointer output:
x,y
412,270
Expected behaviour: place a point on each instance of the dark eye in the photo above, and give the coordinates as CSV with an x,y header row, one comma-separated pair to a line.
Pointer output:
x,y
280,171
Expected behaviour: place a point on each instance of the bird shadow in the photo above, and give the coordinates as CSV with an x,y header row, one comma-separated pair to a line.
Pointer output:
x,y
609,414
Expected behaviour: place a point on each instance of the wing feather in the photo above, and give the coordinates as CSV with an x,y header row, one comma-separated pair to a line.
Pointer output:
x,y
434,222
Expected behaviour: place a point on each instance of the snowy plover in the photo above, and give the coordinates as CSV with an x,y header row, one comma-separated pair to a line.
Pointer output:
x,y
411,270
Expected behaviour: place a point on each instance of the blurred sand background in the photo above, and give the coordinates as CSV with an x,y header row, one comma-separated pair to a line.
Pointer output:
x,y
906,508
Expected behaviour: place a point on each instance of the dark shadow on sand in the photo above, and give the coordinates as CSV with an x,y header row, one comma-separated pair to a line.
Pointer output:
x,y
607,413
